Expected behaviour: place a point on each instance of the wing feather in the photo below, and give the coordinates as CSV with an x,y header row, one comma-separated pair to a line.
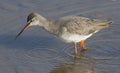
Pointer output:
x,y
80,25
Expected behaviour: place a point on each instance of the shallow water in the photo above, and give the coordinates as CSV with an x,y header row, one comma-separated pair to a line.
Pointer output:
x,y
37,51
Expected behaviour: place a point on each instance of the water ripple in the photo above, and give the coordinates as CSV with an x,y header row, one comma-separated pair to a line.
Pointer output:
x,y
43,54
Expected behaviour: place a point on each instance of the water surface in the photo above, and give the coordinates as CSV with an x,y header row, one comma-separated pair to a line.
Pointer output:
x,y
37,51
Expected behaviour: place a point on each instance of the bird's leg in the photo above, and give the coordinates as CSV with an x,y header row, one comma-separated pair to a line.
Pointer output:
x,y
74,60
82,44
82,53
75,50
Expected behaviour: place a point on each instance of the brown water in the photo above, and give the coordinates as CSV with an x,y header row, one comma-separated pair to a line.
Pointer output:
x,y
37,51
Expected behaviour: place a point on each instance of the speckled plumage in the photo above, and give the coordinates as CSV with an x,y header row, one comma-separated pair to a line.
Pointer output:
x,y
80,25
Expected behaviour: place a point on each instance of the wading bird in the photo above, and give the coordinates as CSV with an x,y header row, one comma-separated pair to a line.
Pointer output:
x,y
69,29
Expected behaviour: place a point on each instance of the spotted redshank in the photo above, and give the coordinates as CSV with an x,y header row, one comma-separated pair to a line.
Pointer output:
x,y
69,29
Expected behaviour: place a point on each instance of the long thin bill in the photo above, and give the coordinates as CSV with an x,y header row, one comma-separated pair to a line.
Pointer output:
x,y
26,27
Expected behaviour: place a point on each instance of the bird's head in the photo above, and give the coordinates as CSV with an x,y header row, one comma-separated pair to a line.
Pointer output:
x,y
33,19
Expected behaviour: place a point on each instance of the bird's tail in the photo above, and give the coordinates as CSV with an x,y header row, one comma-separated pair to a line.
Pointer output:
x,y
103,24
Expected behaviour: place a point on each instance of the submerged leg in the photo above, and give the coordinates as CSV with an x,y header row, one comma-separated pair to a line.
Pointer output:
x,y
82,53
75,49
82,44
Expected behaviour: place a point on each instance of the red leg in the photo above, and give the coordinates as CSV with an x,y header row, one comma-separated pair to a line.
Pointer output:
x,y
82,44
75,50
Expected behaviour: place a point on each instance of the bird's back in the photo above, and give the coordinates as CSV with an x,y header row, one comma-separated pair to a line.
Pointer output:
x,y
80,25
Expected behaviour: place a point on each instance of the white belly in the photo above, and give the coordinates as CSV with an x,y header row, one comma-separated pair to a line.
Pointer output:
x,y
73,37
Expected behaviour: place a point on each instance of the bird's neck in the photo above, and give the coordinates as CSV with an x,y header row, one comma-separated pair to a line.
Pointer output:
x,y
45,24
49,26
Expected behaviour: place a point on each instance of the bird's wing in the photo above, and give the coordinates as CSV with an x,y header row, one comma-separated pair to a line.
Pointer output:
x,y
81,25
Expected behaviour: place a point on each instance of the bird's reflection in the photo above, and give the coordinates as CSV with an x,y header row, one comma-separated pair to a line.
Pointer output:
x,y
79,65
82,56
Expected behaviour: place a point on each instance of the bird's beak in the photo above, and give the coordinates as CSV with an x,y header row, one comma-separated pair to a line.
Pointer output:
x,y
25,28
